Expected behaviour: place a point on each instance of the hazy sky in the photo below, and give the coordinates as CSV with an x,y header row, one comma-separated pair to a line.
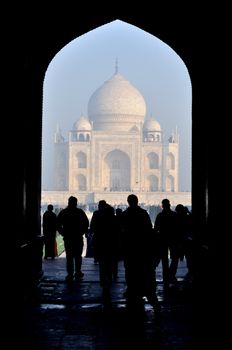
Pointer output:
x,y
149,64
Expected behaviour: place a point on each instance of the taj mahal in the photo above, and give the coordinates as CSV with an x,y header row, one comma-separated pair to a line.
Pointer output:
x,y
115,151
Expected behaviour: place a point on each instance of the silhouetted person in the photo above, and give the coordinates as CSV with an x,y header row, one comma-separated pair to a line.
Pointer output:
x,y
166,228
138,258
103,226
187,236
118,214
73,224
49,223
89,243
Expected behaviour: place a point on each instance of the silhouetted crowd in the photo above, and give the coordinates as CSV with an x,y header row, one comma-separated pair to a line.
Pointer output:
x,y
126,235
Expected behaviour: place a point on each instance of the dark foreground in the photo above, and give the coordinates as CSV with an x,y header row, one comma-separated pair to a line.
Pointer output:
x,y
72,317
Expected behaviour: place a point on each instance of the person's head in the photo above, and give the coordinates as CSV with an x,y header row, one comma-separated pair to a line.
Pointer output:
x,y
132,200
50,207
101,204
179,209
166,203
72,202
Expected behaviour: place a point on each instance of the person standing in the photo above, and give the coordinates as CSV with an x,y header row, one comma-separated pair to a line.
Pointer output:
x,y
73,224
103,226
49,224
139,266
119,255
165,228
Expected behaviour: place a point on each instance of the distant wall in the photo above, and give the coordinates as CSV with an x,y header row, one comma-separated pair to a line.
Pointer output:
x,y
60,198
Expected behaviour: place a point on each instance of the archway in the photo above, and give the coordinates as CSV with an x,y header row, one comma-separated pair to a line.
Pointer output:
x,y
141,45
31,66
117,170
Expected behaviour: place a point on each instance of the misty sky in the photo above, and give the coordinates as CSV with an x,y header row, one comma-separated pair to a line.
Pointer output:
x,y
145,61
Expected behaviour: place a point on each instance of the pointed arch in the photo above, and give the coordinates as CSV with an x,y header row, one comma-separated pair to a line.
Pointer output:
x,y
153,160
170,161
81,182
153,183
170,183
81,160
117,170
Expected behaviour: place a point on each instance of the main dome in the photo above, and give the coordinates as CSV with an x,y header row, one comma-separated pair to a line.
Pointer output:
x,y
118,104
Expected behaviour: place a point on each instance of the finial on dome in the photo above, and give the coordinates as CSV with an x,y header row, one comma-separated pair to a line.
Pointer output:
x,y
116,65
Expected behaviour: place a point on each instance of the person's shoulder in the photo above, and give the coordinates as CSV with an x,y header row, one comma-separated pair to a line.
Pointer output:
x,y
62,211
142,210
81,211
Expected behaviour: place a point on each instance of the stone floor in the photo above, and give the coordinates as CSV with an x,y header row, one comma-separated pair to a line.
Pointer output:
x,y
72,317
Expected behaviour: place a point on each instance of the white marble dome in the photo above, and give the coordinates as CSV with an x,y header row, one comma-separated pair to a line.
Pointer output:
x,y
151,125
116,104
82,124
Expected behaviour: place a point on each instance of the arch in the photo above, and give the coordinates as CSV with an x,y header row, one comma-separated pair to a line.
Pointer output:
x,y
153,160
155,136
117,170
170,161
170,186
81,182
81,137
149,137
29,97
153,183
81,160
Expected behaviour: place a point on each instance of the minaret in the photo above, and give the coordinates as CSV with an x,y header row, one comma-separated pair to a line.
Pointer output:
x,y
58,135
60,161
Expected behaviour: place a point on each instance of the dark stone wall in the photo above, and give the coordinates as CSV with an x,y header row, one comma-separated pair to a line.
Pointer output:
x,y
33,40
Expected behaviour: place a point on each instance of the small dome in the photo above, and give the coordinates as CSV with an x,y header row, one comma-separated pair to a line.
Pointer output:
x,y
82,124
151,125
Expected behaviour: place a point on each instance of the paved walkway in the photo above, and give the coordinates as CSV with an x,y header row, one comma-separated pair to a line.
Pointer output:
x,y
72,317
